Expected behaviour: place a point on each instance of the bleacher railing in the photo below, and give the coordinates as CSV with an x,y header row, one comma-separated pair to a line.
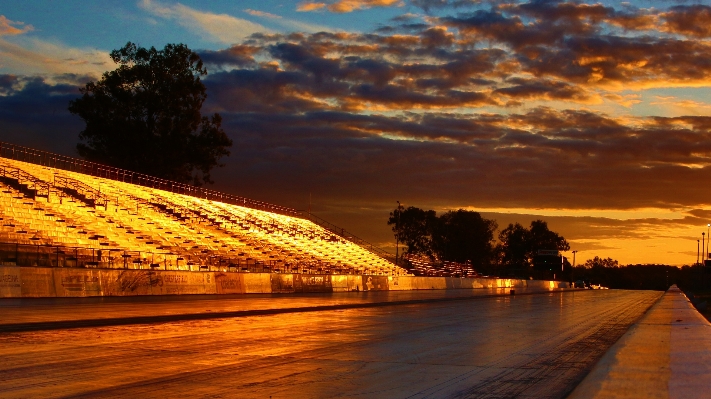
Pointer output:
x,y
38,157
45,158
348,236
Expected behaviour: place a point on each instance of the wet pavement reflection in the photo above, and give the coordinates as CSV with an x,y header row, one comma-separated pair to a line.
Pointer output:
x,y
529,346
29,310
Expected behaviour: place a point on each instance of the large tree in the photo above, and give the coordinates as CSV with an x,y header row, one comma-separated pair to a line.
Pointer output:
x,y
413,227
462,236
513,248
518,245
145,116
458,236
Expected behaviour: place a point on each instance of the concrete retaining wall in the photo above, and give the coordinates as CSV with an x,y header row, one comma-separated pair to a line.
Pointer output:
x,y
28,282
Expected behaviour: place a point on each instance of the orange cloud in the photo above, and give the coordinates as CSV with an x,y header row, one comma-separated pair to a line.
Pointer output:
x,y
626,101
310,6
7,28
345,6
682,106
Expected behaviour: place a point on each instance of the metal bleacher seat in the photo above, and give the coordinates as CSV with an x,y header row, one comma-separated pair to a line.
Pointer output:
x,y
177,230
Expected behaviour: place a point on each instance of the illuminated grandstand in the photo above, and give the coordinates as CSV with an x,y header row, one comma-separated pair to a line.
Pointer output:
x,y
62,212
423,265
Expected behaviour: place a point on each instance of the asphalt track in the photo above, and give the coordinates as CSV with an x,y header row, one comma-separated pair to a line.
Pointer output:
x,y
524,346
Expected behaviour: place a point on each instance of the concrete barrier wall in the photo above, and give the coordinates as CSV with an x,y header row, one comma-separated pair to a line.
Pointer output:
x,y
346,283
28,282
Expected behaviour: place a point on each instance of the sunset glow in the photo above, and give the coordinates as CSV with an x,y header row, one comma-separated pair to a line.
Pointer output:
x,y
595,117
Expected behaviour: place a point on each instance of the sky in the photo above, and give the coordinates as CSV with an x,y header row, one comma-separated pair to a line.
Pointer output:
x,y
595,117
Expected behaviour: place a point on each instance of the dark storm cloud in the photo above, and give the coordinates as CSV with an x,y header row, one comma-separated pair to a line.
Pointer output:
x,y
542,157
693,20
235,56
614,59
34,113
580,42
535,23
556,51
429,5
542,88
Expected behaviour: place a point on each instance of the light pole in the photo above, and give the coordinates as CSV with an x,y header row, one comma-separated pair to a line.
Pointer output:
x,y
708,230
702,244
572,272
397,233
574,252
697,252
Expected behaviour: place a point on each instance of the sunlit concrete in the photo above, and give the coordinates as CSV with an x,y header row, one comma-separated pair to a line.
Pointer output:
x,y
666,355
528,346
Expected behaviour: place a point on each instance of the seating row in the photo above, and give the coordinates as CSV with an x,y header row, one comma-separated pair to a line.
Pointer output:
x,y
171,228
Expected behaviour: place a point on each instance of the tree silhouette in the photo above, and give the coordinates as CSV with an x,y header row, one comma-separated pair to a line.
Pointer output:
x,y
514,249
519,245
462,236
600,262
145,116
458,236
413,227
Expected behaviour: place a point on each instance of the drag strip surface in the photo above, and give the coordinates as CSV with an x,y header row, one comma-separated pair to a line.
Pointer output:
x,y
497,347
62,314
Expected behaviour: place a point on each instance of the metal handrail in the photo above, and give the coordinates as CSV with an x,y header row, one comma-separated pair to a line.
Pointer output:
x,y
87,191
44,158
23,177
348,236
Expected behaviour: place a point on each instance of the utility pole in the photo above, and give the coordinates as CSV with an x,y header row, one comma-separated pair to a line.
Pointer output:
x,y
708,230
572,273
697,252
397,233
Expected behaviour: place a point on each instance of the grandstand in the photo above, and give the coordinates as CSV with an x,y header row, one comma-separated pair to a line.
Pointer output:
x,y
54,213
423,265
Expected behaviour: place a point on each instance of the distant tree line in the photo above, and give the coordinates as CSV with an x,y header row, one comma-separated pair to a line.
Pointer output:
x,y
608,273
465,236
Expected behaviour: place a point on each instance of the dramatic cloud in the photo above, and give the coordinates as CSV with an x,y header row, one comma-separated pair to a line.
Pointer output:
x,y
34,113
